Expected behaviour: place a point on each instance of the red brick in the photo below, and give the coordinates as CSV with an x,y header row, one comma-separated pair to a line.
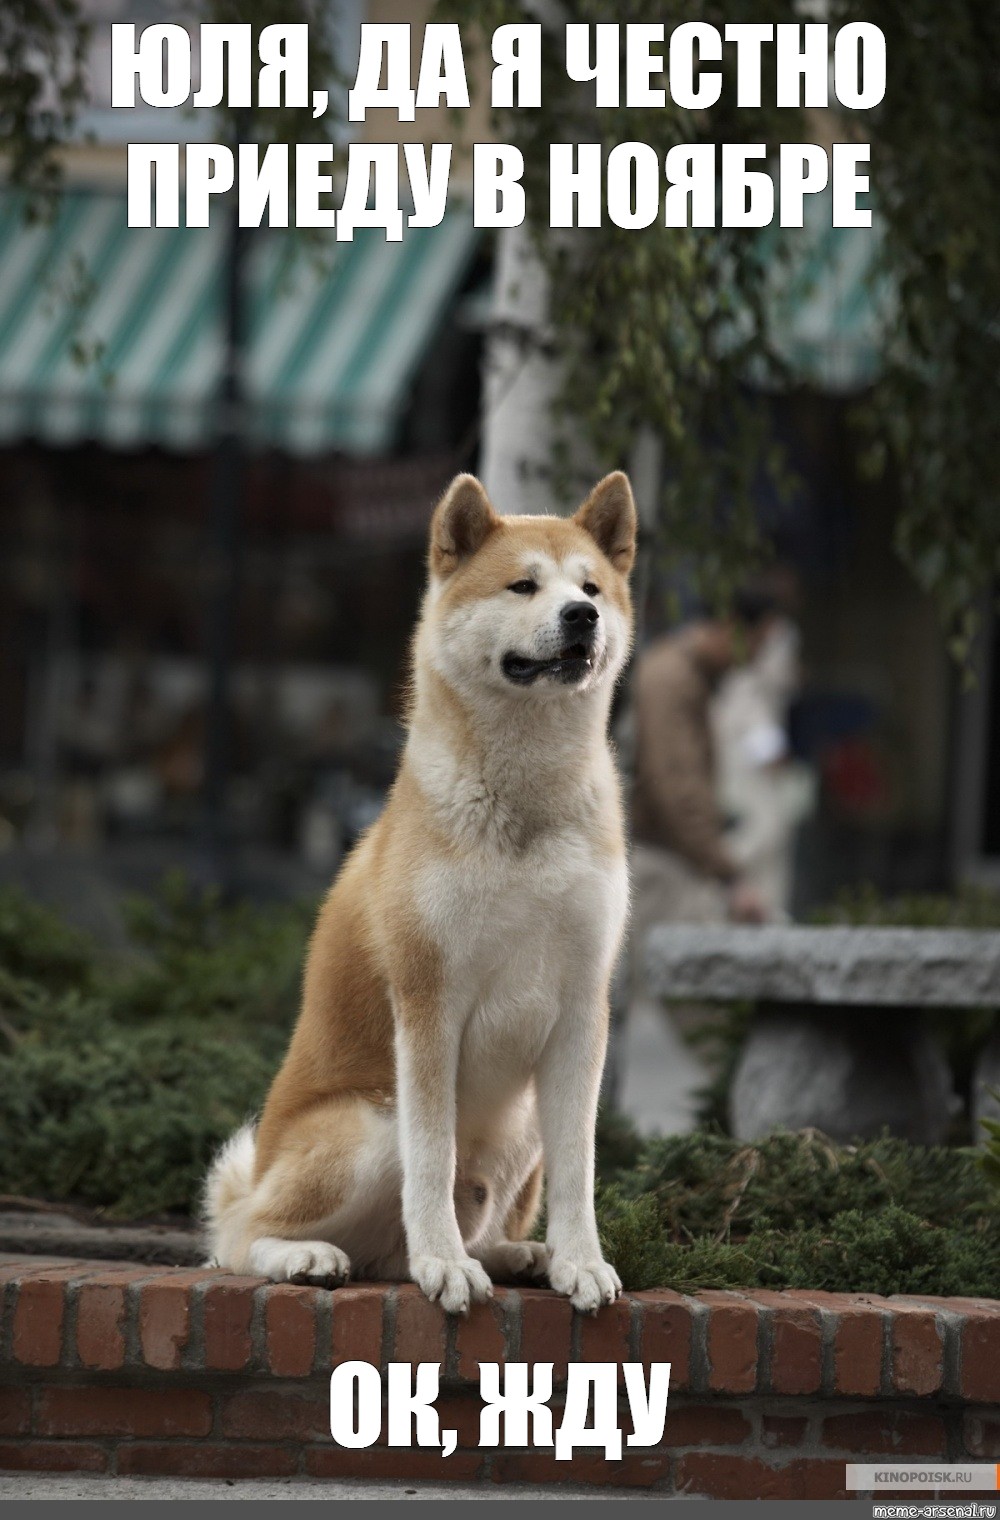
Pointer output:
x,y
290,1322
807,1298
665,1334
705,1425
987,1306
30,1266
833,1303
815,1478
39,1312
460,1413
479,1336
15,1411
274,1416
782,1430
95,1411
713,1476
18,1268
857,1352
796,1352
604,1336
38,1322
100,1325
732,1342
119,1273
981,1435
228,1311
546,1330
11,1263
635,1469
357,1325
165,1318
392,1463
893,1432
796,1342
51,1456
981,1357
420,1327
722,1476
207,1461
66,1270
917,1351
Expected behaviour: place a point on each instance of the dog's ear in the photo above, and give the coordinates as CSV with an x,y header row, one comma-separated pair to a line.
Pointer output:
x,y
609,516
462,523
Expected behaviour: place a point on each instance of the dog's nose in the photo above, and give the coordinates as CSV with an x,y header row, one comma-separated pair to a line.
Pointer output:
x,y
579,619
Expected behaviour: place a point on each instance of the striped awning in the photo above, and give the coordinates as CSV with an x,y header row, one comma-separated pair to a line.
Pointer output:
x,y
828,307
116,334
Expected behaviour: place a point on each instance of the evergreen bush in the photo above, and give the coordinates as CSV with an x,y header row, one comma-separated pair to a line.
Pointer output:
x,y
120,1077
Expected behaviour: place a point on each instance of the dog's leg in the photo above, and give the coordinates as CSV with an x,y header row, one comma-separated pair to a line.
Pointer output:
x,y
310,1211
514,1258
567,1081
524,1211
427,1047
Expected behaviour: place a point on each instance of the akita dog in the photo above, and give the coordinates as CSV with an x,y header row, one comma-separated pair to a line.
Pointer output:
x,y
455,1002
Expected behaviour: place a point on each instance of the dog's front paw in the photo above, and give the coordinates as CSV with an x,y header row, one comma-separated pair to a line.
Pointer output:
x,y
454,1282
587,1285
300,1261
509,1260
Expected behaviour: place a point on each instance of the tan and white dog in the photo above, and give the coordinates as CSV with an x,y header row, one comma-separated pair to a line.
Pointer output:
x,y
455,1004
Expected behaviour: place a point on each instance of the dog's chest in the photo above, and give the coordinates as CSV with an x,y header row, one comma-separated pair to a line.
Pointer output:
x,y
515,928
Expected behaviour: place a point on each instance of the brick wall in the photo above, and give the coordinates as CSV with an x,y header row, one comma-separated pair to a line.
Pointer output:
x,y
107,1368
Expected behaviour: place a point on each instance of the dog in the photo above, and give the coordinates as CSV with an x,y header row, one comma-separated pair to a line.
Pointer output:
x,y
455,999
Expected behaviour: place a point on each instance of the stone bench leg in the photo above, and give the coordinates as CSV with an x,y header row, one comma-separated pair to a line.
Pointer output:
x,y
850,1072
985,1087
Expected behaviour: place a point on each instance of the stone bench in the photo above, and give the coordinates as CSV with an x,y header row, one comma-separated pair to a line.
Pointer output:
x,y
839,1040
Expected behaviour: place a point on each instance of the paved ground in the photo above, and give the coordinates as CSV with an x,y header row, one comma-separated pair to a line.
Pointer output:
x,y
56,1487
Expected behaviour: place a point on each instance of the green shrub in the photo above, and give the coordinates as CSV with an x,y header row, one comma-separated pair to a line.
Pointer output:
x,y
120,1119
37,944
204,959
119,1079
797,1211
989,1158
634,1238
969,907
709,1184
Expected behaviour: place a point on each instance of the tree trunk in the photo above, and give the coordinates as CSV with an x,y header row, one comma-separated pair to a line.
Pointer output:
x,y
522,427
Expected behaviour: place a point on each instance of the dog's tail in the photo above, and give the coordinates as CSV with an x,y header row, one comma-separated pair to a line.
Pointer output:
x,y
228,1187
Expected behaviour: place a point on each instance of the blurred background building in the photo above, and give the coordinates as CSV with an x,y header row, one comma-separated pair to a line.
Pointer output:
x,y
362,392
360,384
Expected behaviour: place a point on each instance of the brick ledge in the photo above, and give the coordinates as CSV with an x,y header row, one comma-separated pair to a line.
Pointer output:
x,y
148,1369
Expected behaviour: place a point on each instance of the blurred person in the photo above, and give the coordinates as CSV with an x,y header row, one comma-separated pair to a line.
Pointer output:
x,y
763,792
683,867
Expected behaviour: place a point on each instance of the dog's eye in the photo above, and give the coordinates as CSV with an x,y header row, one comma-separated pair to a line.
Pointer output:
x,y
589,589
524,588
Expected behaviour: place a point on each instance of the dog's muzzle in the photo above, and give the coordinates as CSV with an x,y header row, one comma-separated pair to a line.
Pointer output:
x,y
578,623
